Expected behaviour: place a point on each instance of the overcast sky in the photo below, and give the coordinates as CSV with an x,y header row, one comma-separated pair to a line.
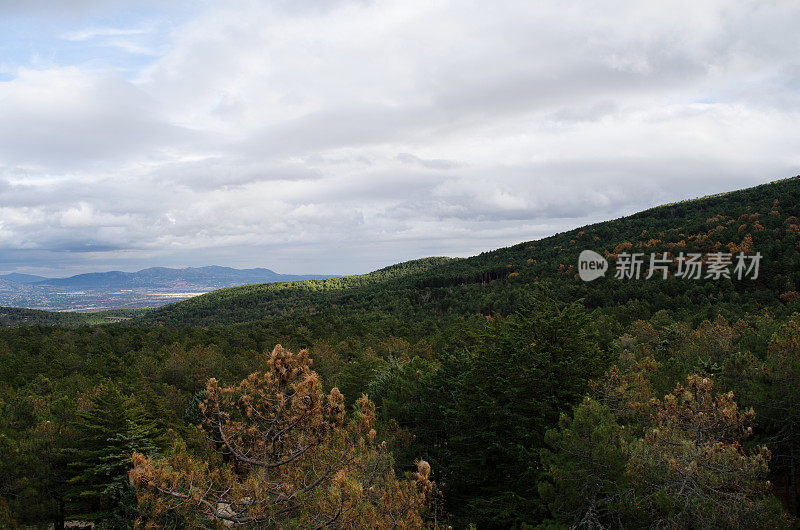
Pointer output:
x,y
314,136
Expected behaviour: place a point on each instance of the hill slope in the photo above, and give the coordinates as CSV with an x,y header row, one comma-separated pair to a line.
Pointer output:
x,y
254,302
23,278
761,219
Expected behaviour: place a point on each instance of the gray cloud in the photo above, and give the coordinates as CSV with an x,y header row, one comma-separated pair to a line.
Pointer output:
x,y
338,136
81,8
63,119
436,163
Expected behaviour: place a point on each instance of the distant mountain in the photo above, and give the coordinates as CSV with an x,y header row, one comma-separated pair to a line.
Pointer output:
x,y
163,278
22,278
116,289
10,286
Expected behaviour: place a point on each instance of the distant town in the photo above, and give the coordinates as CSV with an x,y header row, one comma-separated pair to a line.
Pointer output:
x,y
151,287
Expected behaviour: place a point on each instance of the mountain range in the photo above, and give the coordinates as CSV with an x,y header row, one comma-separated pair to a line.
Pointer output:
x,y
115,289
23,278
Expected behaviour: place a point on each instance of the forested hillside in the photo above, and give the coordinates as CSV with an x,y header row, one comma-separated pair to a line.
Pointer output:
x,y
763,219
14,316
509,393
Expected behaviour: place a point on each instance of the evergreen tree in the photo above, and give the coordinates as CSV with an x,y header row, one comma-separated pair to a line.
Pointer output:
x,y
109,432
780,406
678,462
287,457
587,460
496,403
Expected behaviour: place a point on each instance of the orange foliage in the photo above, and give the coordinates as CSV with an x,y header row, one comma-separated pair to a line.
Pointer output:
x,y
622,247
290,458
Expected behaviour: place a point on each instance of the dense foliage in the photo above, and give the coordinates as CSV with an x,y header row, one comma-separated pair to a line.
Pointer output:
x,y
536,398
283,454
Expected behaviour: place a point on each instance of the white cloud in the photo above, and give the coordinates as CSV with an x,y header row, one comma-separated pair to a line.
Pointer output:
x,y
61,119
93,33
338,136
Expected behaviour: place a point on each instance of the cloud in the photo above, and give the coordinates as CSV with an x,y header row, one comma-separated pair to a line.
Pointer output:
x,y
93,33
337,136
72,9
436,163
65,118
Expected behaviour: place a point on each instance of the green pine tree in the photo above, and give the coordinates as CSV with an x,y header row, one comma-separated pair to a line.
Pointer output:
x,y
110,431
485,413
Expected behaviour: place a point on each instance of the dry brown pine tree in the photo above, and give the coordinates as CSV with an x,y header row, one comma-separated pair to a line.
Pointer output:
x,y
691,468
285,456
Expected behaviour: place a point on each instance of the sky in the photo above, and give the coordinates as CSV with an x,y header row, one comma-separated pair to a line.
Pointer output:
x,y
341,136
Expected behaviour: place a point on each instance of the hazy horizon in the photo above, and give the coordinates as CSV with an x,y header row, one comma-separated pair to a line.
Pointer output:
x,y
158,267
